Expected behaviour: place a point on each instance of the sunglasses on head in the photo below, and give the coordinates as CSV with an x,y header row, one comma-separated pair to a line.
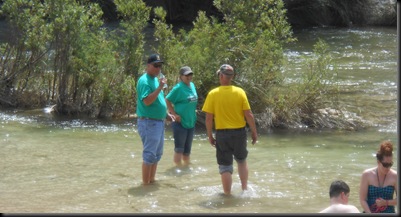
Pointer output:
x,y
387,165
157,65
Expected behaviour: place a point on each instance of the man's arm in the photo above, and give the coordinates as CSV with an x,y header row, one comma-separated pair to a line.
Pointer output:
x,y
251,123
153,96
209,128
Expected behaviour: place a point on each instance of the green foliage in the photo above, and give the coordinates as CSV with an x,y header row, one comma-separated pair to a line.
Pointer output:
x,y
250,39
207,47
167,44
22,57
296,103
316,78
129,37
202,49
258,31
61,54
64,57
315,82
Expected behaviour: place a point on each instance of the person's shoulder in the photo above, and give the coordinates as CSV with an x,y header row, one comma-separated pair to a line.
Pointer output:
x,y
325,210
178,85
239,89
352,209
341,208
393,173
216,89
143,76
369,170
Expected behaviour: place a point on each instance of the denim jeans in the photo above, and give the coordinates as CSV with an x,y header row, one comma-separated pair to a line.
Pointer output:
x,y
182,138
152,135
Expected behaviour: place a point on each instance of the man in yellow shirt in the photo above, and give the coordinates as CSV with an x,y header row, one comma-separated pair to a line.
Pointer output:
x,y
228,106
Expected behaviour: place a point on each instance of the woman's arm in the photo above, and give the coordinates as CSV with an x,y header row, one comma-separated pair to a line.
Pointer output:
x,y
171,111
393,202
363,192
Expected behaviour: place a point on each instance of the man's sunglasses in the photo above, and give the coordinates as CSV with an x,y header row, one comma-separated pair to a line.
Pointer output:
x,y
387,165
157,65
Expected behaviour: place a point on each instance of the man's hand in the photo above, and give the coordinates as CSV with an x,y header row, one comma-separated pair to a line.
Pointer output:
x,y
212,141
254,138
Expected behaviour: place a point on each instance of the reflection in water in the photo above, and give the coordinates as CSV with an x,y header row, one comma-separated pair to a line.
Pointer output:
x,y
178,171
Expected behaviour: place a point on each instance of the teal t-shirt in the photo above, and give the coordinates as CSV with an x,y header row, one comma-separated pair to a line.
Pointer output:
x,y
185,100
145,86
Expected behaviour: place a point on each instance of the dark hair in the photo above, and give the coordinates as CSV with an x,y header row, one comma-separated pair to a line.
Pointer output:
x,y
337,187
385,149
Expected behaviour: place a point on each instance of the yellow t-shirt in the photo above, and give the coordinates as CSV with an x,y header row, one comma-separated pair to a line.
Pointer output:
x,y
227,103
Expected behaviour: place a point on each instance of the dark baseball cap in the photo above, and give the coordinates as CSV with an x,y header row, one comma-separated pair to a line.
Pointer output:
x,y
155,58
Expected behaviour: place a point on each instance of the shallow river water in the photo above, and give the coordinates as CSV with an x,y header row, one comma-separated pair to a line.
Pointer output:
x,y
53,165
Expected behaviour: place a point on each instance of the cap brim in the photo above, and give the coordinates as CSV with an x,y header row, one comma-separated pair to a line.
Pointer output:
x,y
187,73
157,61
226,72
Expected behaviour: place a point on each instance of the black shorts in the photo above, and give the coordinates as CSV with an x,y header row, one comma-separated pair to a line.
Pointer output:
x,y
229,143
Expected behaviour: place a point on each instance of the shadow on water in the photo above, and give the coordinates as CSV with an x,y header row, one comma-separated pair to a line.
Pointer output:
x,y
238,198
222,201
143,190
178,171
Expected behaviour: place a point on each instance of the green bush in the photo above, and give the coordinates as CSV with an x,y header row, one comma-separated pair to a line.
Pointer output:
x,y
61,54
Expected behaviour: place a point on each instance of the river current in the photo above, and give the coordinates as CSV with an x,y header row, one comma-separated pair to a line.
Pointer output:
x,y
66,165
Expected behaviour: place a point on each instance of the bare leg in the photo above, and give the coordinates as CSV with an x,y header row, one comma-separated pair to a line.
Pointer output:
x,y
185,158
146,171
226,180
243,174
153,172
177,158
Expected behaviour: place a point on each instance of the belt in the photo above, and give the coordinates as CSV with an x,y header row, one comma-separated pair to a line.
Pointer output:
x,y
230,130
146,118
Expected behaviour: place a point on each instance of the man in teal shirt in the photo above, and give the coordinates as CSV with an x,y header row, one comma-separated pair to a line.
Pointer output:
x,y
151,111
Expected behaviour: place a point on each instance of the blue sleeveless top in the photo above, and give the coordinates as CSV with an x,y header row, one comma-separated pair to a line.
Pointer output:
x,y
383,192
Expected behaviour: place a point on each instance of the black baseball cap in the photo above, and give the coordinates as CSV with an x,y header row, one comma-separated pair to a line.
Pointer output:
x,y
155,58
